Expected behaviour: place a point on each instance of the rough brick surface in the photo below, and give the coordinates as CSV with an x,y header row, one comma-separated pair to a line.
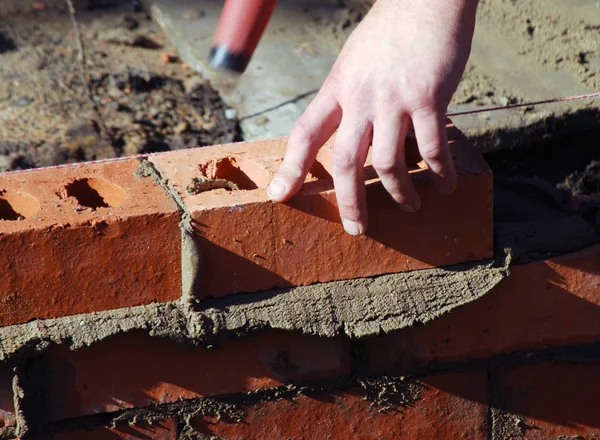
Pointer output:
x,y
542,304
251,244
164,430
134,370
553,400
90,238
444,407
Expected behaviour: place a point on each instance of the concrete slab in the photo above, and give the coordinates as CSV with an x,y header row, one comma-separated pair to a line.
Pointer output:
x,y
286,71
305,36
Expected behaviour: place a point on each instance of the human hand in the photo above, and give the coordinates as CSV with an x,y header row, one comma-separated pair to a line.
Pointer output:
x,y
402,64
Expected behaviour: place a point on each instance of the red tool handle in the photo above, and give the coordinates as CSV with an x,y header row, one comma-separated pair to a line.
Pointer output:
x,y
240,28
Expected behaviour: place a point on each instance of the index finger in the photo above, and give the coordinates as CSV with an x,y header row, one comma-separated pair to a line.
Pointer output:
x,y
316,125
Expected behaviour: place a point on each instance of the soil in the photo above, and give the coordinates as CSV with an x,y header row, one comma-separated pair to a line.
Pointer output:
x,y
562,150
145,103
543,34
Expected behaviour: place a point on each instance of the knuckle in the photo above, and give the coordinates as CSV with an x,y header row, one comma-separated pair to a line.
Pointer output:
x,y
422,94
302,134
385,167
432,151
343,160
349,209
388,96
290,170
332,82
358,94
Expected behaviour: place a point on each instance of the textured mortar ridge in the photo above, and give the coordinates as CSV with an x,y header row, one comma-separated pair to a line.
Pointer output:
x,y
147,169
387,393
8,433
358,308
505,425
189,433
83,330
191,259
185,409
22,427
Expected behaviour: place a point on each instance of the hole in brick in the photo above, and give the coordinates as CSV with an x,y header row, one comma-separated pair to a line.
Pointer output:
x,y
96,193
17,205
243,173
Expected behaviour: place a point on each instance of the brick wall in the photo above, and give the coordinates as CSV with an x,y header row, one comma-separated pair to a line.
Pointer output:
x,y
166,298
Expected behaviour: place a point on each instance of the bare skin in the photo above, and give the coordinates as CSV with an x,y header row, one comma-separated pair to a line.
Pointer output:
x,y
399,69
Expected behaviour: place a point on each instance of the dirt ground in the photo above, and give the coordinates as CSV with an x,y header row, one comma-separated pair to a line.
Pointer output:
x,y
523,49
145,103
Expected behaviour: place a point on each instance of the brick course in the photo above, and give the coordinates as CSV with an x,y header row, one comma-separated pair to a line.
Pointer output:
x,y
445,407
135,370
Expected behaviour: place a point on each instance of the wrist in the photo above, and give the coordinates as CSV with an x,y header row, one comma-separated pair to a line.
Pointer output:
x,y
424,5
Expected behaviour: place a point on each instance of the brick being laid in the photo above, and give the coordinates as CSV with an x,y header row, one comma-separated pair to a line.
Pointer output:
x,y
249,243
86,238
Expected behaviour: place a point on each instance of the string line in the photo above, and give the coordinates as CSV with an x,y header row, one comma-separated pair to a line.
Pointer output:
x,y
452,114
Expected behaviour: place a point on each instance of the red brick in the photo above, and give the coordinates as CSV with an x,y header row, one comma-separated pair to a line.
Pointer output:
x,y
541,304
450,406
252,244
164,430
135,370
553,400
65,259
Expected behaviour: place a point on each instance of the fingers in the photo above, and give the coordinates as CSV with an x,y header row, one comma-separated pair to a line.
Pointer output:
x,y
430,130
311,131
389,159
347,163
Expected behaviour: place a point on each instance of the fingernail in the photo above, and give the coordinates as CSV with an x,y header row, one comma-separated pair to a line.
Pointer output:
x,y
351,227
276,188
